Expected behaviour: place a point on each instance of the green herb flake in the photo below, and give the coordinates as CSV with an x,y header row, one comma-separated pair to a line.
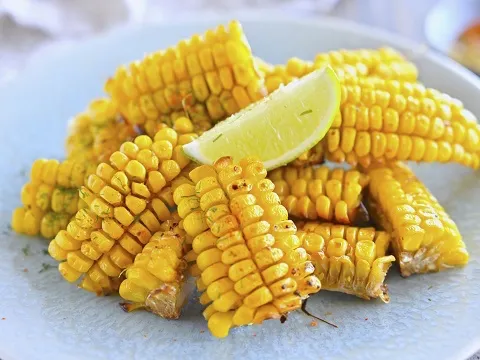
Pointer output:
x,y
218,137
306,112
45,252
26,250
45,267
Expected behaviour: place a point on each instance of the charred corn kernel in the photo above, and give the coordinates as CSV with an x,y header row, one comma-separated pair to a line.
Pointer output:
x,y
51,196
425,238
96,133
400,121
245,245
348,259
125,207
189,79
156,280
320,192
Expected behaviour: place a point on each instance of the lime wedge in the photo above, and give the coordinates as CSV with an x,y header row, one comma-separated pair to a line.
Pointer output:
x,y
278,128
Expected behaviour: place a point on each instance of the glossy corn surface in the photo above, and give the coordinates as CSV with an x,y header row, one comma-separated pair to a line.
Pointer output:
x,y
329,194
127,200
50,198
425,238
250,262
388,120
96,133
206,78
348,259
384,63
349,65
156,280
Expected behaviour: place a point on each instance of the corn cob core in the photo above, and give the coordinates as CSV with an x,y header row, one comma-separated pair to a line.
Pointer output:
x,y
320,192
387,120
127,202
425,238
97,132
50,198
207,77
156,280
249,259
348,259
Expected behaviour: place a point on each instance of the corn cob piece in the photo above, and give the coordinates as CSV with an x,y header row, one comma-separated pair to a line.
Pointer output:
x,y
320,192
126,205
250,263
156,280
385,63
50,198
96,133
349,65
389,120
348,259
424,237
207,78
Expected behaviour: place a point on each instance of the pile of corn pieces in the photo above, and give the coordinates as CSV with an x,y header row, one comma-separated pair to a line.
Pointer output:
x,y
126,212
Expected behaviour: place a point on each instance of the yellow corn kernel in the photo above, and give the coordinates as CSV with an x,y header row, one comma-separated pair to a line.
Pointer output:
x,y
241,254
418,221
194,72
343,258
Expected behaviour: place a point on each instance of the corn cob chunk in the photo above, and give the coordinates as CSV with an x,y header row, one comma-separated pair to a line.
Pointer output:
x,y
424,237
50,198
250,263
385,63
383,120
127,202
320,192
349,65
348,259
207,78
97,132
156,280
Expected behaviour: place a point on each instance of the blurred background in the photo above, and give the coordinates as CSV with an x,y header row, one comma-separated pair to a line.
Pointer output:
x,y
27,26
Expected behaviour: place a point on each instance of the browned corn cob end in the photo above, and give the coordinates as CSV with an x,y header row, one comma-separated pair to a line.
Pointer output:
x,y
250,264
425,238
157,279
347,259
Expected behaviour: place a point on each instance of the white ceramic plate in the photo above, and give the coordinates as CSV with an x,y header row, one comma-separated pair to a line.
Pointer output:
x,y
430,317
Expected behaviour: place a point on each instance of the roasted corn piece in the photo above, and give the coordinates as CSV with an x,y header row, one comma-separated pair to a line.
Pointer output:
x,y
320,192
348,259
425,238
96,133
383,120
126,205
349,65
250,263
385,63
50,198
206,78
156,280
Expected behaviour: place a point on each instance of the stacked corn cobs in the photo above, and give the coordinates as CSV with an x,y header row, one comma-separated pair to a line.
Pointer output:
x,y
128,213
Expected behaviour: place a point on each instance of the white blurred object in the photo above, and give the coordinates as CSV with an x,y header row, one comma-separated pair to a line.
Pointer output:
x,y
67,18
